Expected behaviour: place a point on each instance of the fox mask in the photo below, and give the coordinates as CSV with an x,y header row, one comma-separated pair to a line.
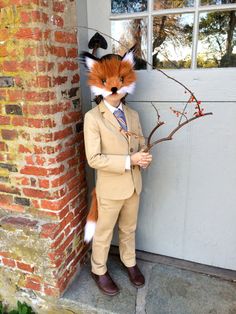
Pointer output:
x,y
111,74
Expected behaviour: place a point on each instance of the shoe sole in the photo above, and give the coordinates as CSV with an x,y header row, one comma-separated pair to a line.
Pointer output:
x,y
103,291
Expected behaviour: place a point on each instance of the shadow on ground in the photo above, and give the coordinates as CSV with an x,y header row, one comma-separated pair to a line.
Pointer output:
x,y
168,290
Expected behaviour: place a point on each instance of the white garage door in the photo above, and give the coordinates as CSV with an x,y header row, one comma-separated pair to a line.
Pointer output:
x,y
188,207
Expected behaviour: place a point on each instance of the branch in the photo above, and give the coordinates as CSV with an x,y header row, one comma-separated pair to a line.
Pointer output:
x,y
170,136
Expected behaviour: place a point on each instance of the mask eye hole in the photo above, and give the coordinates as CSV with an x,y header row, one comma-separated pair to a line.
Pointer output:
x,y
103,81
122,79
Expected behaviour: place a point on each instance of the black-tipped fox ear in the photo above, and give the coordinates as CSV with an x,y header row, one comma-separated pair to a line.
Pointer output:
x,y
129,56
88,59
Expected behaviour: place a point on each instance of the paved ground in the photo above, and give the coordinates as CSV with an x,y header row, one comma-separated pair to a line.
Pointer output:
x,y
168,290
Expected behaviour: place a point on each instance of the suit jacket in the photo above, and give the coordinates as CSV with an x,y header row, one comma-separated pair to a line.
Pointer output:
x,y
106,149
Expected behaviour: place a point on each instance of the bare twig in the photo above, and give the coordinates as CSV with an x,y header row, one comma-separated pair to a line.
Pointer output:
x,y
170,136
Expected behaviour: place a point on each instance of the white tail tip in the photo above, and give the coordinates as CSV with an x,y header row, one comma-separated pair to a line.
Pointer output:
x,y
89,231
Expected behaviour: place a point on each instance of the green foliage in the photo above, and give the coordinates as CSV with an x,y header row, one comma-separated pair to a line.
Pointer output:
x,y
22,308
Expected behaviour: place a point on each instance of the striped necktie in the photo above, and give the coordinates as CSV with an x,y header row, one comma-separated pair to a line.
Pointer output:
x,y
120,116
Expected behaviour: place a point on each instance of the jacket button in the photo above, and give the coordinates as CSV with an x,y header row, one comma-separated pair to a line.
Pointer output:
x,y
131,150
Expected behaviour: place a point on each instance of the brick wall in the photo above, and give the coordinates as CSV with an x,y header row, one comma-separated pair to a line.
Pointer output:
x,y
42,176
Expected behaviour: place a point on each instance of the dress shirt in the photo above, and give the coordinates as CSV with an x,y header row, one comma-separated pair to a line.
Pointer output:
x,y
112,109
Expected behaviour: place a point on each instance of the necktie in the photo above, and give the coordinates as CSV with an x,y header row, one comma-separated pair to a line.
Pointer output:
x,y
120,116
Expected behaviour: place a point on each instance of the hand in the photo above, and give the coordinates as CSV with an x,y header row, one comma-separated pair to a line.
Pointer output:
x,y
141,159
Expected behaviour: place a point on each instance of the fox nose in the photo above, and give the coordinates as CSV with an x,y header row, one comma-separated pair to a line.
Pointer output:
x,y
114,90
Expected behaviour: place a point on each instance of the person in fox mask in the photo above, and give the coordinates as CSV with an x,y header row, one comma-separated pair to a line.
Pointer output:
x,y
113,145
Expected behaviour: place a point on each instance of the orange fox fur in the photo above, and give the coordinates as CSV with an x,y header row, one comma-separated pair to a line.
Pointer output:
x,y
112,74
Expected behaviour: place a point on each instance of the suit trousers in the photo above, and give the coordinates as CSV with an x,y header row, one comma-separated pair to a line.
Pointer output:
x,y
109,212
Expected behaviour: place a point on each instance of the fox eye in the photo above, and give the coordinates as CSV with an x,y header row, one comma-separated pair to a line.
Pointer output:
x,y
122,79
103,81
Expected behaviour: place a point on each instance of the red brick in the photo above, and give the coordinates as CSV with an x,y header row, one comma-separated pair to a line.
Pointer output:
x,y
3,94
9,189
25,17
38,109
59,80
29,33
5,254
75,79
71,117
65,37
29,51
8,262
51,291
63,133
72,53
9,134
36,203
10,66
44,18
74,182
57,20
43,81
49,230
44,66
58,205
43,183
4,120
32,285
15,95
3,51
58,51
66,154
37,96
63,179
6,199
65,244
57,170
34,278
73,162
35,16
3,146
4,34
18,121
41,123
25,267
58,6
38,171
58,241
36,193
68,65
23,149
14,208
28,66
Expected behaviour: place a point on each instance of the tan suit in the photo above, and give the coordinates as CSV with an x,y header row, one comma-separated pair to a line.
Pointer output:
x,y
117,189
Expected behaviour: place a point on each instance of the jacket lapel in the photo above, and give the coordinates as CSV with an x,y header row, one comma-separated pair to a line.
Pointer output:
x,y
111,118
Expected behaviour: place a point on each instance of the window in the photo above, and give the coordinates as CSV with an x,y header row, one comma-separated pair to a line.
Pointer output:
x,y
176,34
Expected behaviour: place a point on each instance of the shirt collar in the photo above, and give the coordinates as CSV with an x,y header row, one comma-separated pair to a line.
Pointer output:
x,y
111,108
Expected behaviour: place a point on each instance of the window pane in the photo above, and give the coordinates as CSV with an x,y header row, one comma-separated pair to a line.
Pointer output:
x,y
218,2
172,41
168,4
128,6
217,40
128,33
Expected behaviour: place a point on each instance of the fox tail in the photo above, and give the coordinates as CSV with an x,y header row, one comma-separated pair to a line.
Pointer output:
x,y
91,218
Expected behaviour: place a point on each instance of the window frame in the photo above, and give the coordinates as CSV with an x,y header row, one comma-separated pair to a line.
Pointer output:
x,y
196,10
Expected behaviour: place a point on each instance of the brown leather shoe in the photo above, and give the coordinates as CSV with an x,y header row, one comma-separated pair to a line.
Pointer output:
x,y
135,276
106,284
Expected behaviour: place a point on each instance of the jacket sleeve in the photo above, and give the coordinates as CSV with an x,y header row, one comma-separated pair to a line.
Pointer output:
x,y
97,160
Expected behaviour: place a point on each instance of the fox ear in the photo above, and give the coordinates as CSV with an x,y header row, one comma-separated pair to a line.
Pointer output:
x,y
129,56
88,59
